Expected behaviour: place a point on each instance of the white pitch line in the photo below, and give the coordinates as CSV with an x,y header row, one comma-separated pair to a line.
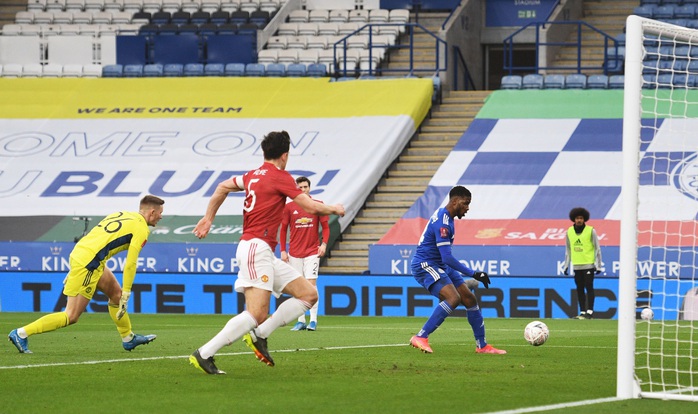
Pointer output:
x,y
111,361
556,406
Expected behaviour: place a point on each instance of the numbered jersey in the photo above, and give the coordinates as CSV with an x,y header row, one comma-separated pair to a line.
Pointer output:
x,y
115,233
266,189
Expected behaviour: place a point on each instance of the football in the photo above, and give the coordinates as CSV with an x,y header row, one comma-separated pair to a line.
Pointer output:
x,y
536,333
647,314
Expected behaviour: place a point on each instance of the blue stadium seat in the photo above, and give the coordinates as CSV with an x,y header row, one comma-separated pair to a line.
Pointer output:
x,y
112,71
161,17
153,70
194,69
227,29
275,69
254,69
260,18
208,29
616,82
188,28
149,29
317,70
220,17
214,69
665,81
663,12
646,10
200,17
240,17
173,70
681,80
133,71
511,82
180,17
687,11
235,69
296,70
247,29
576,81
532,81
554,82
597,82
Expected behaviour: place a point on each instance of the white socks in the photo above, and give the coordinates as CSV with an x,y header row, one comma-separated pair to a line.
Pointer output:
x,y
286,312
231,332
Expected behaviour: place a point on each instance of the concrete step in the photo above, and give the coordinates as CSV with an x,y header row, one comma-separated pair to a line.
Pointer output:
x,y
351,245
389,204
442,129
383,213
343,270
404,181
358,265
406,197
439,136
440,152
349,254
431,144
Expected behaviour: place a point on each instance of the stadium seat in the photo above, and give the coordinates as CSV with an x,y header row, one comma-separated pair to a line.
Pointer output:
x,y
180,17
576,81
554,82
112,71
663,12
153,70
32,70
173,70
616,82
317,70
665,81
161,17
597,82
254,69
511,82
646,11
214,69
235,69
275,69
532,81
296,70
686,11
200,17
92,71
220,17
194,69
133,71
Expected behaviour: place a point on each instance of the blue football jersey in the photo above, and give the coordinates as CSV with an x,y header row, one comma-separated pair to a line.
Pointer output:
x,y
439,231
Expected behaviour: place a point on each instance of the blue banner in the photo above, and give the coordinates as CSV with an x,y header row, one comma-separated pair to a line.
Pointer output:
x,y
516,13
344,295
540,261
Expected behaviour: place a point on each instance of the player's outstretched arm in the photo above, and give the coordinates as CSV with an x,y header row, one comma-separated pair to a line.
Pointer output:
x,y
222,190
321,209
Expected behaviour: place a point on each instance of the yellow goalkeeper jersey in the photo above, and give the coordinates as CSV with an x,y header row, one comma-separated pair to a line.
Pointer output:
x,y
124,230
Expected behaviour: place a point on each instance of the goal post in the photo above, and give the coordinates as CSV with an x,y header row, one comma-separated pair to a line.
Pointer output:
x,y
659,231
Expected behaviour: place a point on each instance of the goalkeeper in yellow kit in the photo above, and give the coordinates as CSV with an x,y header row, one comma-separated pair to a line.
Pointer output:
x,y
123,230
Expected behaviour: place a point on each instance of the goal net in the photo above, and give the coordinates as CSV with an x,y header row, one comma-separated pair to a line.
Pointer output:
x,y
658,250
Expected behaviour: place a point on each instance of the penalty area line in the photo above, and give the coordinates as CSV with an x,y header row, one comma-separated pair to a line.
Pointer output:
x,y
556,406
111,361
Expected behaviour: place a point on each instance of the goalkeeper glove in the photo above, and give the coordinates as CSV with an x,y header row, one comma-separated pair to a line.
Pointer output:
x,y
566,271
483,278
597,271
123,304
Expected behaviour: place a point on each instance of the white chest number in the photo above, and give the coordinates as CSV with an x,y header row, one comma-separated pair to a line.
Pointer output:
x,y
251,197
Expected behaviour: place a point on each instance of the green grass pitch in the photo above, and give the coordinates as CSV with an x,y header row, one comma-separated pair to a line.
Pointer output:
x,y
349,365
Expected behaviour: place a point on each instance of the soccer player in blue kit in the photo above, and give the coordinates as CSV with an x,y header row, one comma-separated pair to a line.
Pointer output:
x,y
435,268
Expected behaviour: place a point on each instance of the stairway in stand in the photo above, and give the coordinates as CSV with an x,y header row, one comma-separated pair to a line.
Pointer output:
x,y
606,16
405,181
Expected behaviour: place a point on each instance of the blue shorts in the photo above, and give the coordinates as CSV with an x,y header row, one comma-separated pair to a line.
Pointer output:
x,y
435,278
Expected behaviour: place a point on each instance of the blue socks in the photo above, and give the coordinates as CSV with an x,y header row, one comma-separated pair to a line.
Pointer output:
x,y
441,312
478,324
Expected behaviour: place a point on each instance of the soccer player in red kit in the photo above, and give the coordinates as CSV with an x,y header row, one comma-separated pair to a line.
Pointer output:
x,y
261,273
305,248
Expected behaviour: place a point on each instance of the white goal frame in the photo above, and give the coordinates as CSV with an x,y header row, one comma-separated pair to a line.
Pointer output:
x,y
636,28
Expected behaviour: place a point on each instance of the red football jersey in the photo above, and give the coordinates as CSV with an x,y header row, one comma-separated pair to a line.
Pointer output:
x,y
304,230
266,189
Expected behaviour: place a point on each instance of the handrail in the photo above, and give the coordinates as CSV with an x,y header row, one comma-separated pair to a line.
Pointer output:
x,y
508,46
410,27
468,80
